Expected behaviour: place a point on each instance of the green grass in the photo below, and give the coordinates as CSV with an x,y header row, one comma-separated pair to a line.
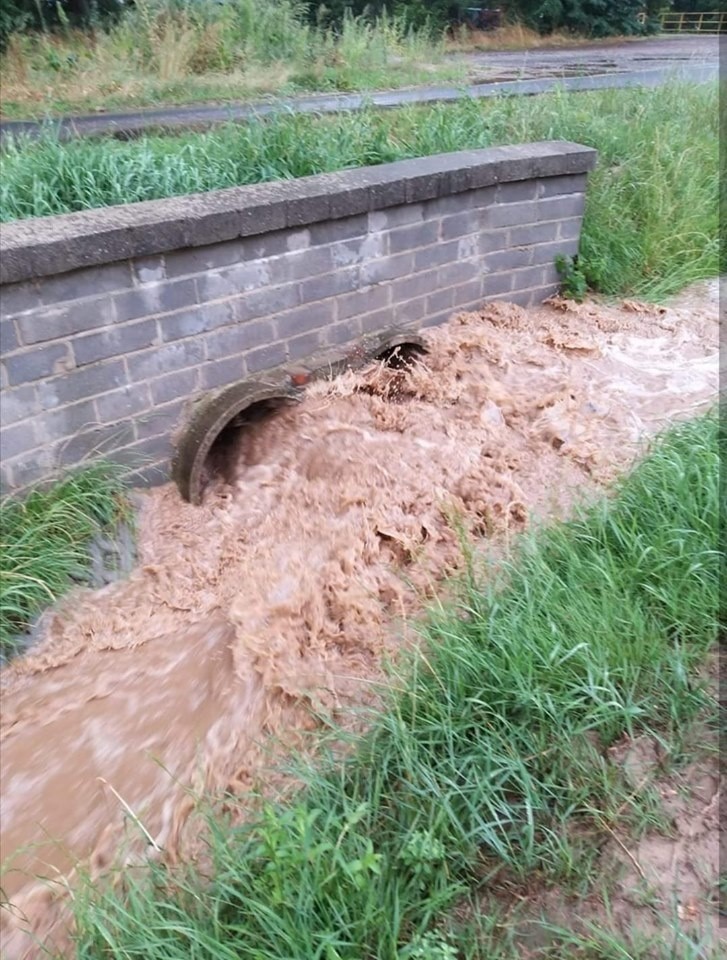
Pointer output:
x,y
652,211
43,541
163,51
488,765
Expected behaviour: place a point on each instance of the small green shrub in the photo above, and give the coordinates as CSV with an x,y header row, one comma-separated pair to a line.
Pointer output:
x,y
574,285
44,538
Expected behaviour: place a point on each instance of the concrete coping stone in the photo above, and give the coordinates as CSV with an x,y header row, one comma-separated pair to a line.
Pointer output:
x,y
45,246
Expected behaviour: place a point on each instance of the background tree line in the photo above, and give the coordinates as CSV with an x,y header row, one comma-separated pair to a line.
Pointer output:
x,y
596,18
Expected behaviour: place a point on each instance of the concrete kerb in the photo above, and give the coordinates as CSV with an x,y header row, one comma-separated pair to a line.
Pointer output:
x,y
31,249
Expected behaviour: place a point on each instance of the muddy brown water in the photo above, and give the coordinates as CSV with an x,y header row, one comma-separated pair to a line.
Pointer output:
x,y
252,618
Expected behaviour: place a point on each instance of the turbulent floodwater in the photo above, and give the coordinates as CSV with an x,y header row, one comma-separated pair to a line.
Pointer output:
x,y
251,618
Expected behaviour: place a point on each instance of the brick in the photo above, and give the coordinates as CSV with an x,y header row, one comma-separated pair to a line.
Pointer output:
x,y
238,339
387,268
221,373
8,335
550,275
329,285
172,356
346,253
297,240
233,281
556,186
30,469
94,443
362,301
179,263
115,342
269,300
545,253
265,246
198,319
155,298
409,311
126,402
440,300
416,235
151,475
305,346
497,284
78,384
570,229
529,277
149,269
539,294
85,315
265,358
340,333
436,255
303,319
301,265
461,224
66,421
509,259
436,320
38,363
560,208
395,217
374,245
516,192
19,297
141,455
183,383
376,321
455,203
19,439
335,230
468,293
18,404
512,214
87,282
415,285
454,273
488,241
534,233
161,420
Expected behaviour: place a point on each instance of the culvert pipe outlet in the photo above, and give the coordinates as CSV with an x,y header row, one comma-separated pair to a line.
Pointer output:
x,y
252,399
208,421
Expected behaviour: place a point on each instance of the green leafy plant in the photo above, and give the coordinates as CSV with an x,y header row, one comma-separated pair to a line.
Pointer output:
x,y
574,285
44,539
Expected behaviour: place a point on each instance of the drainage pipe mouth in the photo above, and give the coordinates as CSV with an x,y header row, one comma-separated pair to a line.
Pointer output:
x,y
250,400
208,439
401,350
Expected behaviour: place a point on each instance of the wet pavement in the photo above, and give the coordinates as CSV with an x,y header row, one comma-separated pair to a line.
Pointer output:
x,y
641,63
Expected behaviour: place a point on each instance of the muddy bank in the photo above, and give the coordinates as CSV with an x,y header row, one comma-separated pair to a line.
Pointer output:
x,y
267,610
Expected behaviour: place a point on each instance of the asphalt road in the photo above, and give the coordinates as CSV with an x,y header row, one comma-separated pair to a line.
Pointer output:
x,y
640,63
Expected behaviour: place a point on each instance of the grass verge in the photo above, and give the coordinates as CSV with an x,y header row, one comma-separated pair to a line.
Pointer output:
x,y
44,542
488,768
651,223
172,53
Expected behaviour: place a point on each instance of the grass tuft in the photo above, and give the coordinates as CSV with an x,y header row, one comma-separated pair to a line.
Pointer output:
x,y
489,767
651,224
44,539
163,51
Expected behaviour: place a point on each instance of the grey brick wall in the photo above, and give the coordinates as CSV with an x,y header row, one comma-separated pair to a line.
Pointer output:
x,y
101,359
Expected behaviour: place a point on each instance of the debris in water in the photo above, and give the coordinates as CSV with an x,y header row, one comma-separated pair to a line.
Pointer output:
x,y
265,609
